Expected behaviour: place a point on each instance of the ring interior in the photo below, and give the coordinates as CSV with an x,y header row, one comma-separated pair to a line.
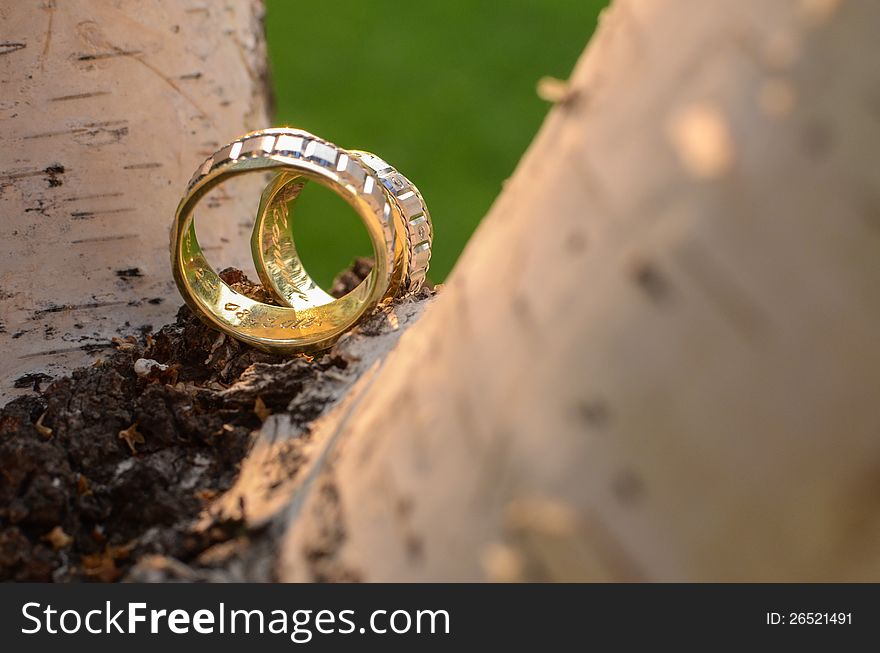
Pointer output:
x,y
260,323
274,248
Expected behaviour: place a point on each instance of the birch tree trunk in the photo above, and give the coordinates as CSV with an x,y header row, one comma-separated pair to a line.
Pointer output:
x,y
106,108
659,357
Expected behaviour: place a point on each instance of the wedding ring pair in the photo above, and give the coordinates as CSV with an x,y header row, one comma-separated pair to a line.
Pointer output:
x,y
308,319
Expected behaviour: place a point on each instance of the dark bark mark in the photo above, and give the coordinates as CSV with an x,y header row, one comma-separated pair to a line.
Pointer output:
x,y
413,543
32,380
10,46
322,550
50,7
651,281
42,207
107,55
78,96
817,137
141,166
67,350
523,312
85,215
97,133
129,272
91,197
628,486
52,175
21,174
103,239
191,76
594,412
72,307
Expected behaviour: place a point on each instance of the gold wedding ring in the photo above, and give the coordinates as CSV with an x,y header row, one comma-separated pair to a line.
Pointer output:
x,y
279,265
390,207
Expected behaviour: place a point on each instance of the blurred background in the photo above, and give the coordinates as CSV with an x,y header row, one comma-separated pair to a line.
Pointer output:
x,y
444,91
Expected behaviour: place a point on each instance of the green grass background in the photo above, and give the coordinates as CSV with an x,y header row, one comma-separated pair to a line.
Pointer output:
x,y
444,91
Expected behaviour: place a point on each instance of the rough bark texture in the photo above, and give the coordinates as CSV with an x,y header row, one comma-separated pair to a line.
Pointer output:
x,y
117,469
105,111
659,357
309,401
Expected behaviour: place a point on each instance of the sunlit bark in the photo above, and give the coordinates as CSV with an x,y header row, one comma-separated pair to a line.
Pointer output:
x,y
659,357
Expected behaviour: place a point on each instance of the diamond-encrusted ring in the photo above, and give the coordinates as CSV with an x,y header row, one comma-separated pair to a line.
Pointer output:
x,y
274,250
311,325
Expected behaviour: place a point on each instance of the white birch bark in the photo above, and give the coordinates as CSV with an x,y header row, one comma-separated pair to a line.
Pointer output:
x,y
106,109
